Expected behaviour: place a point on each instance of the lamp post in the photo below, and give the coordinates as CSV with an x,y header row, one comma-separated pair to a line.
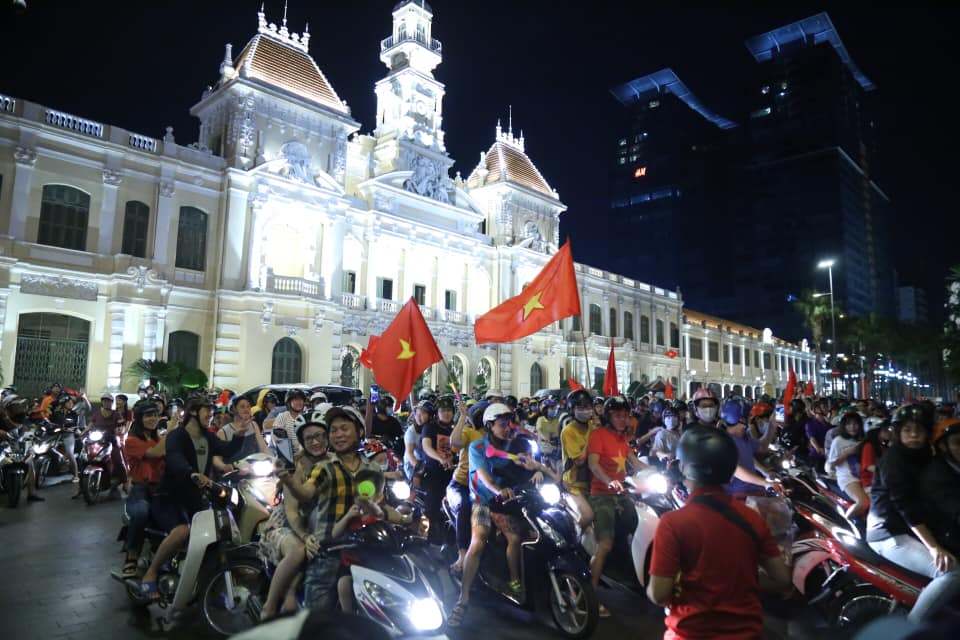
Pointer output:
x,y
828,265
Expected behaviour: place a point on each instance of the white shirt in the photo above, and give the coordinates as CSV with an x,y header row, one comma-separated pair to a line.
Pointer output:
x,y
285,422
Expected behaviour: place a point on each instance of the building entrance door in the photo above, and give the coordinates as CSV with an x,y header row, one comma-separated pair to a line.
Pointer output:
x,y
51,347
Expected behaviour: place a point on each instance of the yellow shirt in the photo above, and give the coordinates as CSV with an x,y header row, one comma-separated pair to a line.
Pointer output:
x,y
573,442
548,431
462,472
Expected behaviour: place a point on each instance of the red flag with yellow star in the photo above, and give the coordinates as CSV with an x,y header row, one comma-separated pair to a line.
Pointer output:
x,y
610,386
404,351
549,297
366,356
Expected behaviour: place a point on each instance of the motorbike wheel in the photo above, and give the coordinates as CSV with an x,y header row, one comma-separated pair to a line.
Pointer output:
x,y
860,605
578,614
13,490
248,580
42,469
90,487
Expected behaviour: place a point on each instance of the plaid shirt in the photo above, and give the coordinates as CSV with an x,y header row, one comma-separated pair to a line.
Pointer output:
x,y
335,493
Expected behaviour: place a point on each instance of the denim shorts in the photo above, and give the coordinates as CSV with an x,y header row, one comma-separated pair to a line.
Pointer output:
x,y
320,582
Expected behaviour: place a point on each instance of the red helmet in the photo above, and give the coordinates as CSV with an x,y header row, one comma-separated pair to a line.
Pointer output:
x,y
761,409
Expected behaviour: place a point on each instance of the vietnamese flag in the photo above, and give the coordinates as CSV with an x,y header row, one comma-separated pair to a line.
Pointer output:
x,y
610,387
366,355
788,392
668,391
574,385
809,392
549,297
404,351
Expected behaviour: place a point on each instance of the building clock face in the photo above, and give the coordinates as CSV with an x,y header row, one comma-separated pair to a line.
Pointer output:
x,y
421,107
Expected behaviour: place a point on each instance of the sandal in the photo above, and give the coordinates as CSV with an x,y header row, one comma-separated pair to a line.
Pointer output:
x,y
603,611
149,591
455,619
129,569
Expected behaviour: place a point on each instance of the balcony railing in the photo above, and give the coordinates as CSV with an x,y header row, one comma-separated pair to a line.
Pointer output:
x,y
294,286
388,306
458,317
353,301
392,41
73,123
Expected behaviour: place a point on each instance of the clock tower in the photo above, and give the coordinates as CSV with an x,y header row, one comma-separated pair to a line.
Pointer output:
x,y
409,134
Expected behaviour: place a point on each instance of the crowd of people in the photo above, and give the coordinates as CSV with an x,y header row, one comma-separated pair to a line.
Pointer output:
x,y
900,470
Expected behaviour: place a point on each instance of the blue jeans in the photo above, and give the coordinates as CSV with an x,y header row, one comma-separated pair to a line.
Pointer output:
x,y
138,511
940,592
320,582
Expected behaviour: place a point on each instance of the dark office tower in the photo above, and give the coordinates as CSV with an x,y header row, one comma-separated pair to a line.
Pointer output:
x,y
813,139
670,169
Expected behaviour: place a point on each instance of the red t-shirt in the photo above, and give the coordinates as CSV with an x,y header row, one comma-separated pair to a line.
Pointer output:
x,y
142,468
613,450
868,457
717,592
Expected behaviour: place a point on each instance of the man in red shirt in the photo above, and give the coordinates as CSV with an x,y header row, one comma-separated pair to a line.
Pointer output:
x,y
705,555
608,455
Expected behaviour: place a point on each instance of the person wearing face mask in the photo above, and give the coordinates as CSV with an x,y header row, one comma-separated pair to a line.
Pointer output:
x,y
706,405
573,445
548,433
666,441
747,480
761,419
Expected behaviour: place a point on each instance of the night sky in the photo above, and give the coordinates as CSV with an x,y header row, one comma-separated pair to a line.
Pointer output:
x,y
141,65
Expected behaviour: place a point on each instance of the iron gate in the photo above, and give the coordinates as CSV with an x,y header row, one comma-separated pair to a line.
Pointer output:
x,y
50,348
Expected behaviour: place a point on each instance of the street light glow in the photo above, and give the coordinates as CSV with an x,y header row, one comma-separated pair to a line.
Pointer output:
x,y
826,264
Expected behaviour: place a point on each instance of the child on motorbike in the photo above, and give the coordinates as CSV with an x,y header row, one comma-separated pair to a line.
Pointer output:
x,y
368,493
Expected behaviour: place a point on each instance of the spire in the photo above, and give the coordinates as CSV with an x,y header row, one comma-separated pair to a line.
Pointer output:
x,y
282,33
510,121
227,72
508,137
283,25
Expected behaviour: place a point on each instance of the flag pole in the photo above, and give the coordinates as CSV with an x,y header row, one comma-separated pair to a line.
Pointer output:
x,y
586,356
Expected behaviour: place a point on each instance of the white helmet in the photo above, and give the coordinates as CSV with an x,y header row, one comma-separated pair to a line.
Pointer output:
x,y
873,423
318,395
494,411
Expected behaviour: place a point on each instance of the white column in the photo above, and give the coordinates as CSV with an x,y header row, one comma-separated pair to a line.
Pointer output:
x,y
108,211
165,230
706,353
3,318
605,318
161,333
25,160
256,246
743,361
115,359
730,346
332,260
686,349
149,335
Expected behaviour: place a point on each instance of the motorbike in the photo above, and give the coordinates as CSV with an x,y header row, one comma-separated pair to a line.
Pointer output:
x,y
218,568
628,564
96,466
46,448
16,456
554,570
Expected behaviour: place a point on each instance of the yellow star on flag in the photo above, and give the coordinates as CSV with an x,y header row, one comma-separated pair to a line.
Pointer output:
x,y
532,304
621,461
405,353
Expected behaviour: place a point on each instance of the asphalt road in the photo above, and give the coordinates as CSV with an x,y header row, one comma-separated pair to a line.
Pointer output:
x,y
55,585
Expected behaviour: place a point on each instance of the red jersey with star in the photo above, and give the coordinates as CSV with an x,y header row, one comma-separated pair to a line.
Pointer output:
x,y
613,450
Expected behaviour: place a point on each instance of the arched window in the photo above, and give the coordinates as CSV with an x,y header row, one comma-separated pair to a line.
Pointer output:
x,y
484,379
349,367
287,362
51,347
136,221
536,377
456,368
192,239
613,323
64,212
183,348
628,325
596,320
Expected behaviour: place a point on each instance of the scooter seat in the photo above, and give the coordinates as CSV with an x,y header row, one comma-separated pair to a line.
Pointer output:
x,y
862,551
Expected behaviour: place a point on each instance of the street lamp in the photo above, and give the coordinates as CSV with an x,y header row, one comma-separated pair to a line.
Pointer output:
x,y
828,265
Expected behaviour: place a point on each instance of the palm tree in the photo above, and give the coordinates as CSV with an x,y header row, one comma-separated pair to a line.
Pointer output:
x,y
813,310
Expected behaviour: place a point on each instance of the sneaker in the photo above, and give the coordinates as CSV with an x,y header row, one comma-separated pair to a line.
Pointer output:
x,y
604,612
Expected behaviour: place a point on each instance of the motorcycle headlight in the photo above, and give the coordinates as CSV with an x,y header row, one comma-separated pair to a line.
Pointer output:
x,y
262,467
656,483
786,464
380,595
41,448
400,490
550,493
96,436
425,614
534,447
552,533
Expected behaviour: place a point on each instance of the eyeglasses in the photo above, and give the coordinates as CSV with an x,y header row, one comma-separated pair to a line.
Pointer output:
x,y
318,437
502,421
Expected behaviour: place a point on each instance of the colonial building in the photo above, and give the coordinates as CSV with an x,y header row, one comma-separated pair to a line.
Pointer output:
x,y
273,246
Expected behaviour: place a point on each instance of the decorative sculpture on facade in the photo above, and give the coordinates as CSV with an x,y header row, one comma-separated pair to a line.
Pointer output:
x,y
427,179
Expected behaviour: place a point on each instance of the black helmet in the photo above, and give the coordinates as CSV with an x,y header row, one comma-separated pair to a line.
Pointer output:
x,y
123,396
511,401
232,405
919,413
797,406
143,407
384,403
579,398
309,419
851,415
679,405
16,407
293,394
952,429
194,402
658,406
427,406
613,403
445,402
270,396
707,455
427,394
598,400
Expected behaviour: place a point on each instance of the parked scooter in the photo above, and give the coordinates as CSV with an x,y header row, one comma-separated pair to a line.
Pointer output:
x,y
48,459
554,571
97,473
16,456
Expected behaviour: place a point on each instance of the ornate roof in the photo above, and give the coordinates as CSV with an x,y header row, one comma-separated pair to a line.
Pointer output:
x,y
506,161
279,59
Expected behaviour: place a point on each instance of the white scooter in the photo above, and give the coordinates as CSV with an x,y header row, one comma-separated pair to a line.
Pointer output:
x,y
628,564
